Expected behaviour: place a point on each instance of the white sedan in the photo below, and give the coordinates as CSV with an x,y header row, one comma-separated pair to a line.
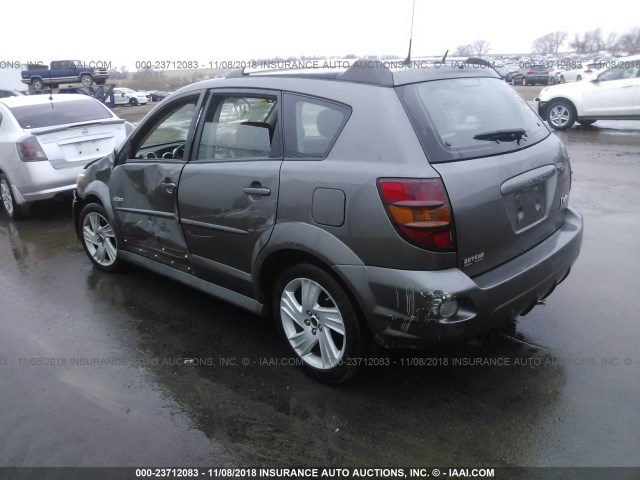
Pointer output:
x,y
46,140
127,96
614,94
585,72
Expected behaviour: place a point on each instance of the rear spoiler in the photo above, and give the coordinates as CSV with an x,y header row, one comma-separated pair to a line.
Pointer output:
x,y
66,126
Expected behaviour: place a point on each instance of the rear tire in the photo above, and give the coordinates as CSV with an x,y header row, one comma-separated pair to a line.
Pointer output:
x,y
9,205
318,323
99,238
86,80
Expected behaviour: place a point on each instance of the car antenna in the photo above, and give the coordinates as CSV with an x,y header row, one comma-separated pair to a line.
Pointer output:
x,y
445,56
407,61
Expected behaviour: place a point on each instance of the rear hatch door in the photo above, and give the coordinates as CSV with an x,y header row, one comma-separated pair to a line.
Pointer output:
x,y
507,178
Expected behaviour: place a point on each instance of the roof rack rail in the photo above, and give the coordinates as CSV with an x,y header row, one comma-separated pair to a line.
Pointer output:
x,y
236,73
368,71
478,61
372,72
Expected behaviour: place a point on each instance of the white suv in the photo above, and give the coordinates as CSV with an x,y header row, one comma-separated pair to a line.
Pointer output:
x,y
614,94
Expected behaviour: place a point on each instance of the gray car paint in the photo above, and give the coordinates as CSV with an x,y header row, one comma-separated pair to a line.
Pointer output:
x,y
397,293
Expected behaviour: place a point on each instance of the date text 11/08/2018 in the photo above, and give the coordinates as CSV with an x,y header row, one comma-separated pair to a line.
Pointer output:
x,y
315,472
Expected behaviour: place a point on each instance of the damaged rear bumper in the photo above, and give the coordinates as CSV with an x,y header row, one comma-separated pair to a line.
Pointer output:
x,y
401,306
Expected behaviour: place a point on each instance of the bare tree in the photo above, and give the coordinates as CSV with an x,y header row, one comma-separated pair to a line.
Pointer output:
x,y
591,42
463,51
630,41
481,47
558,40
549,43
578,44
595,37
612,41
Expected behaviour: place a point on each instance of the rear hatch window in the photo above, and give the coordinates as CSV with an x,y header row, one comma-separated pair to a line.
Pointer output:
x,y
60,113
465,118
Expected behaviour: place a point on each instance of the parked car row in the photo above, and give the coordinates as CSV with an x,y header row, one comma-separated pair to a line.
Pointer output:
x,y
535,74
546,74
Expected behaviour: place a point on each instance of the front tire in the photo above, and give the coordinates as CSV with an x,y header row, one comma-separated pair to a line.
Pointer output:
x,y
133,102
99,238
561,115
586,123
11,208
37,84
318,323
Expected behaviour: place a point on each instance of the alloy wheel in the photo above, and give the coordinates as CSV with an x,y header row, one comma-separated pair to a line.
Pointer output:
x,y
99,239
313,323
7,197
559,115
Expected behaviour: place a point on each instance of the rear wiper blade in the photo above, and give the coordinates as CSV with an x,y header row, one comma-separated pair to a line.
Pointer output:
x,y
498,136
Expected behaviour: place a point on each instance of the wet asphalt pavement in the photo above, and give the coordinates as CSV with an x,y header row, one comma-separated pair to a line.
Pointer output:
x,y
93,369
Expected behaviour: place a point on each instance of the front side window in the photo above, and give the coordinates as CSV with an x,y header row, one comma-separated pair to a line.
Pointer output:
x,y
312,126
624,71
165,137
238,127
463,118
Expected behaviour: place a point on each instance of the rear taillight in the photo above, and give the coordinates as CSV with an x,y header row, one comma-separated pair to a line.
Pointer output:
x,y
587,70
530,72
29,150
420,210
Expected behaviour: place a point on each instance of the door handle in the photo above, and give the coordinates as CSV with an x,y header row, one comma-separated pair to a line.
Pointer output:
x,y
170,187
627,85
257,191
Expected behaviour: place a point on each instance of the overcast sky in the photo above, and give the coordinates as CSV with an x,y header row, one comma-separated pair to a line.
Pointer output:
x,y
124,32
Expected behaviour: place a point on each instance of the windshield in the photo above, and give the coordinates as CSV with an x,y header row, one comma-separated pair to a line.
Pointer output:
x,y
60,113
454,118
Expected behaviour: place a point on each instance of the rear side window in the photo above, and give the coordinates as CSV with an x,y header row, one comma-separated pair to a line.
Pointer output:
x,y
312,126
60,113
449,115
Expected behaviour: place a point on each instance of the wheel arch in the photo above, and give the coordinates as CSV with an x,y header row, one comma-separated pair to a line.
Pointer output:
x,y
95,192
566,99
280,260
289,245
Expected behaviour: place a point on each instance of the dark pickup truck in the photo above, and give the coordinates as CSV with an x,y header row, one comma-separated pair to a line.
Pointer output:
x,y
64,71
